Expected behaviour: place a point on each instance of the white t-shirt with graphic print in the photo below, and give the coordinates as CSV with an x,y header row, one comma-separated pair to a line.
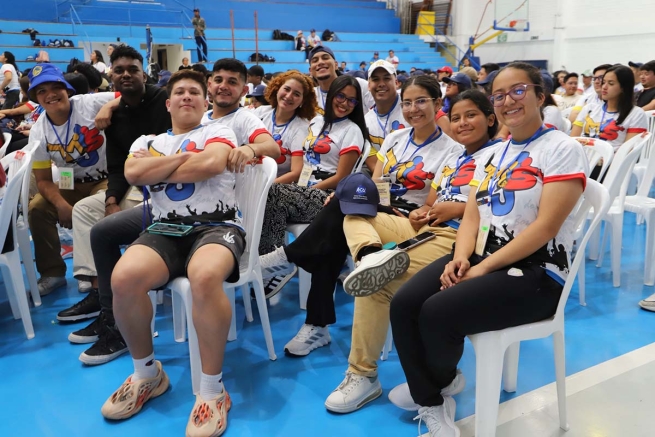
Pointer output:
x,y
452,184
212,200
379,126
323,149
596,122
411,169
516,191
290,136
553,118
246,125
84,149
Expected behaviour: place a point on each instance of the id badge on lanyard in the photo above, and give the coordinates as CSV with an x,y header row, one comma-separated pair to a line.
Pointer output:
x,y
305,174
66,178
483,230
384,190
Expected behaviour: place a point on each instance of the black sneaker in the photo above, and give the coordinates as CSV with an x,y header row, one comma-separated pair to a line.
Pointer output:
x,y
87,308
110,345
91,332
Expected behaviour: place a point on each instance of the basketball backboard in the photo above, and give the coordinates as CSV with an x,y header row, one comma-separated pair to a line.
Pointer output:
x,y
511,15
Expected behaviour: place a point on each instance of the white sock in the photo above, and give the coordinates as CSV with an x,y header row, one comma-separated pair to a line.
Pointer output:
x,y
210,386
145,368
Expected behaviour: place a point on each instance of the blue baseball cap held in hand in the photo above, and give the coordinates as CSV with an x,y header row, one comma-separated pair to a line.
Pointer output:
x,y
358,195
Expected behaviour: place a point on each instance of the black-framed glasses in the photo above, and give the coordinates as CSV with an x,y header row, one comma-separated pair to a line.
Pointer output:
x,y
516,93
341,98
419,103
598,78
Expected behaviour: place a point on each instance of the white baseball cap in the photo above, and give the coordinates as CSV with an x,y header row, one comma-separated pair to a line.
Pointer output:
x,y
382,64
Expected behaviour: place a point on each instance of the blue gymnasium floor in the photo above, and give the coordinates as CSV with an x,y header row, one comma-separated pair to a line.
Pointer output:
x,y
48,392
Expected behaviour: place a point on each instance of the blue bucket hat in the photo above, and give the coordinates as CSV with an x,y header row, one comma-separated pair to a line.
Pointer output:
x,y
43,73
358,195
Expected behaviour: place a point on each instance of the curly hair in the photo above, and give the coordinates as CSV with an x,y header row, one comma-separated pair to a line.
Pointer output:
x,y
307,108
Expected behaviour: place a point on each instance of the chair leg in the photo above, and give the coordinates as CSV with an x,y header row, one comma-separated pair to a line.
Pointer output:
x,y
258,285
230,293
15,285
601,249
28,261
194,347
488,373
511,367
153,295
560,375
649,258
11,296
582,282
388,344
304,283
616,224
179,317
594,242
247,305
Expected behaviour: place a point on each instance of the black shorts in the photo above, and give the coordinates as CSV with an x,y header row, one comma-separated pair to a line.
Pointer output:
x,y
177,251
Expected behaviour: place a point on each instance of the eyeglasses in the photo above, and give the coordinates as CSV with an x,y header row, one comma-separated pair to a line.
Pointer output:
x,y
341,98
516,93
598,78
418,103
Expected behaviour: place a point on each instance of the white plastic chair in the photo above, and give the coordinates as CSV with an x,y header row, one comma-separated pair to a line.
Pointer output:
x,y
643,206
640,167
362,158
251,190
567,126
5,144
23,235
567,112
616,182
597,150
16,165
497,352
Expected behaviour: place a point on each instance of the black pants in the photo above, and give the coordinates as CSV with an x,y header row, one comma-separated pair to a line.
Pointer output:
x,y
11,98
429,325
321,250
17,143
201,42
107,237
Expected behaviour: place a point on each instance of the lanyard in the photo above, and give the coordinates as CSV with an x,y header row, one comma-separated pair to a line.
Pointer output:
x,y
388,115
68,127
493,183
211,114
277,137
431,138
602,120
463,160
320,91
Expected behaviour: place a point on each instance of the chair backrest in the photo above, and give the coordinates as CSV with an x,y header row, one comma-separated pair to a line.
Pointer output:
x,y
567,124
597,197
251,191
619,173
363,157
646,151
5,144
16,165
597,150
566,112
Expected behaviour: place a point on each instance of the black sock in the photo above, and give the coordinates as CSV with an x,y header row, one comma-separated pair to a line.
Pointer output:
x,y
367,250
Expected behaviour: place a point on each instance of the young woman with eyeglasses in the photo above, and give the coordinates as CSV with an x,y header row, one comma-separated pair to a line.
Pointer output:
x,y
594,98
293,104
510,259
618,119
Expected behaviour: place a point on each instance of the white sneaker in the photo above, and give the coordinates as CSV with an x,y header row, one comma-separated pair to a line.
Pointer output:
x,y
353,393
375,271
48,284
439,420
402,398
84,286
275,263
307,339
648,303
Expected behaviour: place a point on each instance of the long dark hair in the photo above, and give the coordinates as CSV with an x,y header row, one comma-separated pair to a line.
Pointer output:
x,y
535,78
626,79
11,59
357,114
480,100
99,57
